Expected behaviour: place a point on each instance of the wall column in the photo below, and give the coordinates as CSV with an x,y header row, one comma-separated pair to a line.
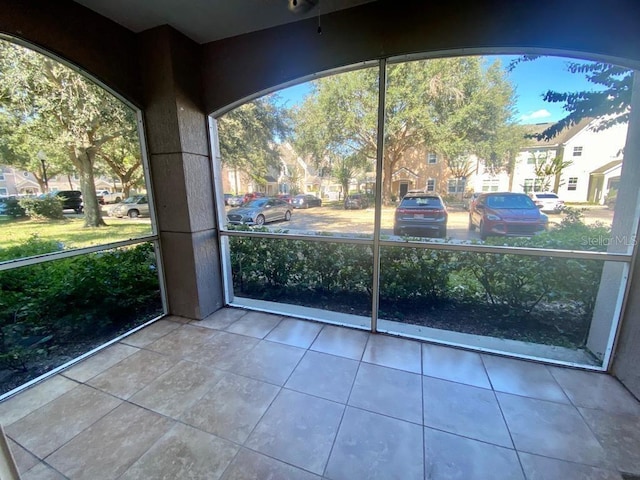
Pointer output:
x,y
627,354
181,172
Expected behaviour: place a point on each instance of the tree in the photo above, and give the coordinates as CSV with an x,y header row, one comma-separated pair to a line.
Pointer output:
x,y
453,106
345,169
610,101
249,137
63,110
548,169
122,156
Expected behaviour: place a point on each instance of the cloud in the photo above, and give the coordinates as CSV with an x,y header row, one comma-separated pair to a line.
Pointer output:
x,y
542,113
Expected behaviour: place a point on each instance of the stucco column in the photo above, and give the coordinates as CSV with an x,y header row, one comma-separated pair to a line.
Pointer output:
x,y
627,354
181,172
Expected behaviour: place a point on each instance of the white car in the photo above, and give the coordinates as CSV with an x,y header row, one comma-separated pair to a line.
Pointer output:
x,y
547,201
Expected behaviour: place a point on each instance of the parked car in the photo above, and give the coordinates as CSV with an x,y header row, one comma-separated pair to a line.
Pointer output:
x,y
235,201
306,201
227,196
421,214
260,211
506,214
133,207
71,199
469,200
251,196
285,197
547,201
356,201
106,197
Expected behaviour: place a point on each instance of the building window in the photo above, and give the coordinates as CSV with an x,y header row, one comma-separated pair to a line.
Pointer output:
x,y
4,192
1,176
432,158
531,160
533,185
490,185
577,151
573,183
431,185
456,185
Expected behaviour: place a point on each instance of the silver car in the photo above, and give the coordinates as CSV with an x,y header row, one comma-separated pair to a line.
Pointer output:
x,y
260,211
132,207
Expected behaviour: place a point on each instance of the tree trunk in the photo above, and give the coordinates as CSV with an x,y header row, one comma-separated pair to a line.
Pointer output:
x,y
387,180
92,213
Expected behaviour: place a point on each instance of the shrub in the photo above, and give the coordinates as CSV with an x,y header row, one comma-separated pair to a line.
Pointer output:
x,y
48,206
13,208
73,299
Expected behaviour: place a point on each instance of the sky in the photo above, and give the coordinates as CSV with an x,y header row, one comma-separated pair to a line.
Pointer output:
x,y
530,79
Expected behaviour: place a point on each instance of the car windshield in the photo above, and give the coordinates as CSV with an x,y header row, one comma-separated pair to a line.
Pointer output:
x,y
546,195
421,202
510,201
132,200
259,203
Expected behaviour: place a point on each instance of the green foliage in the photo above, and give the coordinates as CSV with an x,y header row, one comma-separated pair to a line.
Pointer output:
x,y
454,106
48,206
515,287
49,304
13,208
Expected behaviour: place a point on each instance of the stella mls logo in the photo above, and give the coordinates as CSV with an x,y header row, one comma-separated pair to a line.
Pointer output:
x,y
625,240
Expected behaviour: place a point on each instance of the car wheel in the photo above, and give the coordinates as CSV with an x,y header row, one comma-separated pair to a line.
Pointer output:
x,y
442,233
472,227
260,220
396,231
287,216
133,214
320,203
483,233
118,199
79,210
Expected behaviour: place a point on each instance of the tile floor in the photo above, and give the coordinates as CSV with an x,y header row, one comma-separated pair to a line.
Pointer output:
x,y
247,395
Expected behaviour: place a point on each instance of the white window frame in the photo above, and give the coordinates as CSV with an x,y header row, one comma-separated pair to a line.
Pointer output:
x,y
577,151
431,185
432,158
572,184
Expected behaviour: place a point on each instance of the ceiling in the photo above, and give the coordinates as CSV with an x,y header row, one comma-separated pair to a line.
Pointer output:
x,y
208,20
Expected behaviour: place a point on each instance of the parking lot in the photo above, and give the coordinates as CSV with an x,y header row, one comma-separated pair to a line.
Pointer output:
x,y
332,218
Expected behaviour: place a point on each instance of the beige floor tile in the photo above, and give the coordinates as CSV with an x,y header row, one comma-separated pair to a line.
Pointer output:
x,y
98,363
376,447
223,350
255,324
394,352
250,465
343,342
322,375
455,365
464,410
232,408
449,457
182,453
543,468
181,342
269,362
25,460
596,390
221,319
110,446
178,389
551,429
388,391
22,404
620,437
132,374
151,333
519,377
54,424
298,429
42,472
297,333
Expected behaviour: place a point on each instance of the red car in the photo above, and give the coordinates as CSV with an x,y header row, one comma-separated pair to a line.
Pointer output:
x,y
506,214
251,196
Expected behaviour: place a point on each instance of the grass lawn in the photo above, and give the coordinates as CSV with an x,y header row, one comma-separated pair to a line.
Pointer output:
x,y
70,231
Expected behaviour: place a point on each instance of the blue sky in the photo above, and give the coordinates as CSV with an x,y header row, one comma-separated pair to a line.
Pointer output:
x,y
531,80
